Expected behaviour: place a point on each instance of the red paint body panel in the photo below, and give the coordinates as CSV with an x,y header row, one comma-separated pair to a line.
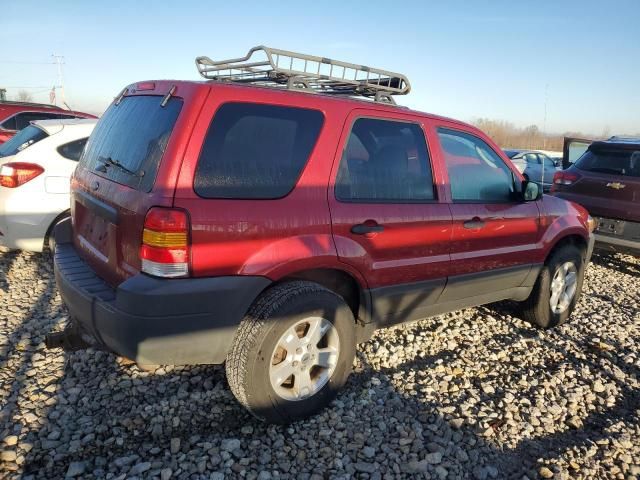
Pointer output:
x,y
414,245
309,228
591,191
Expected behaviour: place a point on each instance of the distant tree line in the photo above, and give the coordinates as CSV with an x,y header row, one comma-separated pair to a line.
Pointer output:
x,y
507,135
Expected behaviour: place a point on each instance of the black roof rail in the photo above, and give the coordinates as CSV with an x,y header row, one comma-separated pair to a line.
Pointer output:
x,y
274,67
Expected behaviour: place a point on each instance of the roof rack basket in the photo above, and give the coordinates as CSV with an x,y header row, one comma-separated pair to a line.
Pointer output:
x,y
274,67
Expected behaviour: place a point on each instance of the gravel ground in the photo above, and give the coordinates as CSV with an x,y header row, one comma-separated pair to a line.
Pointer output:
x,y
474,394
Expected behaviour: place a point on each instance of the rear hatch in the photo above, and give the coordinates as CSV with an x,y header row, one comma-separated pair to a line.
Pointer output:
x,y
609,181
130,164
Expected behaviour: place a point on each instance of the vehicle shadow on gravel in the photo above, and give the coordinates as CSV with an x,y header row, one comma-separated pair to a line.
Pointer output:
x,y
8,259
22,342
97,415
618,263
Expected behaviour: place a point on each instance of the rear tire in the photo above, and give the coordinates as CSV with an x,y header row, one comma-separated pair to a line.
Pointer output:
x,y
557,289
292,353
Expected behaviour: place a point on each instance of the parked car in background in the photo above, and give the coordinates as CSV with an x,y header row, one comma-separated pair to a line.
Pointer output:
x,y
35,170
14,116
271,228
606,181
555,156
534,166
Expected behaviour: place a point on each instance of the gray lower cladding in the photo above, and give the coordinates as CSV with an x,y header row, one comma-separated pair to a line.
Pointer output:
x,y
415,301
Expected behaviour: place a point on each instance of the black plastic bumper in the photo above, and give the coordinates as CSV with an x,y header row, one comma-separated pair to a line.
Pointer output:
x,y
152,320
619,245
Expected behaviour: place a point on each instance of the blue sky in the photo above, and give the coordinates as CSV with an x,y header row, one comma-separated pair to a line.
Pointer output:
x,y
465,59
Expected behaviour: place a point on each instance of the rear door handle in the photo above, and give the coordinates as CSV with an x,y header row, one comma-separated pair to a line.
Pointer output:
x,y
474,223
364,228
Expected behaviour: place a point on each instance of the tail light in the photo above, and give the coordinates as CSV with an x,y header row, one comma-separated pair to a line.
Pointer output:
x,y
14,174
564,178
165,249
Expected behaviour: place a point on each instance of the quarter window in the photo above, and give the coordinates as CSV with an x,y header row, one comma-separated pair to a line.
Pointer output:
x,y
476,172
255,151
385,161
72,150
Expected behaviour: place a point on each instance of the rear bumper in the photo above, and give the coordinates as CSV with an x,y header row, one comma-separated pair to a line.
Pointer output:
x,y
619,245
622,236
152,320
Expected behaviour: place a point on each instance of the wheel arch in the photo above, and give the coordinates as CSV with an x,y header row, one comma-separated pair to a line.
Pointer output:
x,y
61,216
571,239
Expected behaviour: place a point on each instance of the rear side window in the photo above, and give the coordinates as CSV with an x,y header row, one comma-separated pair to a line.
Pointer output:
x,y
476,173
385,161
128,142
255,151
72,150
615,162
21,140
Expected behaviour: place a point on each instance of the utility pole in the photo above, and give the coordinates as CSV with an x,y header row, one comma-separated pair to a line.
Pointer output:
x,y
544,124
59,61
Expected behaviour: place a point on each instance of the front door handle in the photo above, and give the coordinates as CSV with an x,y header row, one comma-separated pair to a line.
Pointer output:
x,y
473,224
364,228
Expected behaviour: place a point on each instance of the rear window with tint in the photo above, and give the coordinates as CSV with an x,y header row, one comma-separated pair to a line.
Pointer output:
x,y
615,162
21,140
255,151
133,134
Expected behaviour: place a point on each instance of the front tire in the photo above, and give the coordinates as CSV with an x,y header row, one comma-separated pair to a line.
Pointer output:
x,y
292,353
557,289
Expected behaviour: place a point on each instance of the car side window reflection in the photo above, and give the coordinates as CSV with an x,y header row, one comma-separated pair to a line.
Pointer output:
x,y
476,173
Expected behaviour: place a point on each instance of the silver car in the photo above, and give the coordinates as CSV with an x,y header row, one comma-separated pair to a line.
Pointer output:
x,y
535,166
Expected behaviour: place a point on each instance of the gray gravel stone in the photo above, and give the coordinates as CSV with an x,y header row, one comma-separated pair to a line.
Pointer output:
x,y
472,394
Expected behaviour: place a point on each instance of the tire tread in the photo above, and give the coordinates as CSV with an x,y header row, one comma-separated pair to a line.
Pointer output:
x,y
252,328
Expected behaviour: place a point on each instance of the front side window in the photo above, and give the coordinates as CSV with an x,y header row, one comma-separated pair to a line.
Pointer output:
x,y
531,158
385,161
72,150
546,161
255,151
476,173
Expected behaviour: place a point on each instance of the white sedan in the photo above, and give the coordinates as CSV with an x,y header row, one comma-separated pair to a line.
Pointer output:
x,y
35,170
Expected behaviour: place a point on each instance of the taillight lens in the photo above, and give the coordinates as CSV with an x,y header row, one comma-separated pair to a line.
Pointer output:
x,y
14,174
564,178
165,243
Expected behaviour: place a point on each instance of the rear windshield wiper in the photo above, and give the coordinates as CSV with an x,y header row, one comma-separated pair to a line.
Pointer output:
x,y
108,161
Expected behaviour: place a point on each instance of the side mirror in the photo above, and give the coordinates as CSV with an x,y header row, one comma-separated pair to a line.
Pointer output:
x,y
530,191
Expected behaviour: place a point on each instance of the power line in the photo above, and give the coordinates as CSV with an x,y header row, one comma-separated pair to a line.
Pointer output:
x,y
26,63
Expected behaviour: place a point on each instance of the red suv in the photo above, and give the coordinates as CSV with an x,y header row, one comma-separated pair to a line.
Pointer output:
x,y
275,228
15,116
